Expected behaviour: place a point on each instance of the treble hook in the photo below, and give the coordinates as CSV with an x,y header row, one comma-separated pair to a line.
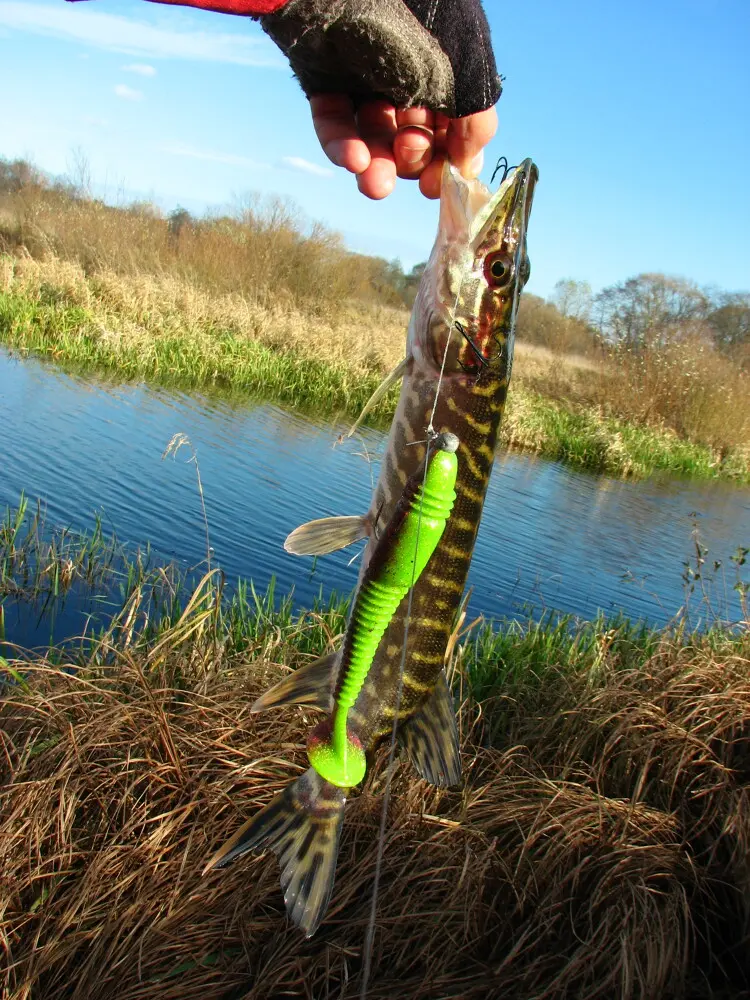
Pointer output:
x,y
502,164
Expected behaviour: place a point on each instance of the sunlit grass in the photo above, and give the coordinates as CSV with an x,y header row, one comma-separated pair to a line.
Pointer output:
x,y
587,438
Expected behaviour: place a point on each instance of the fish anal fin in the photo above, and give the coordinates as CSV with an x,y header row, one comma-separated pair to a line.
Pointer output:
x,y
391,379
312,685
326,534
431,738
302,826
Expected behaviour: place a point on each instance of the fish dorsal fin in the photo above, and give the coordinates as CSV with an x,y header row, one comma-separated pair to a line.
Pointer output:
x,y
326,534
391,379
312,685
431,738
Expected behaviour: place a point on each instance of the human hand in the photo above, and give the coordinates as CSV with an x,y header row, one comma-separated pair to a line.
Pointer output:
x,y
379,142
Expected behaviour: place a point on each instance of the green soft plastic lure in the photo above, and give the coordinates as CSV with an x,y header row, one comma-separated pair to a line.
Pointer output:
x,y
402,553
303,823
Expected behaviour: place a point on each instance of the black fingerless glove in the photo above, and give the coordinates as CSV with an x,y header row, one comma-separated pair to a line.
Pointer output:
x,y
435,53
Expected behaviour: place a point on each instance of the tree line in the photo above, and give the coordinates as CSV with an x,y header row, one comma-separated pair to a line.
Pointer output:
x,y
653,310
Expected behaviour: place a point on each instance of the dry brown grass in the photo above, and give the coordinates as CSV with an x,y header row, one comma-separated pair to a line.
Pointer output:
x,y
165,329
264,250
687,386
264,275
599,847
143,308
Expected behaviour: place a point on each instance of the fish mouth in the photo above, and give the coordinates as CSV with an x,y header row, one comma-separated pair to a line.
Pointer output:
x,y
478,228
510,205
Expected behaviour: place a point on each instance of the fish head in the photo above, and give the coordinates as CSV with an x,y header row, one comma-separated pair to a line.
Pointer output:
x,y
463,320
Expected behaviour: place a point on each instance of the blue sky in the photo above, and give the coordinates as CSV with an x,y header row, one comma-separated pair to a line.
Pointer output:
x,y
637,115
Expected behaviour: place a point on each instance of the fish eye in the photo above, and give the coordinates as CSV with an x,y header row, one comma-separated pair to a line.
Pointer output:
x,y
525,269
498,269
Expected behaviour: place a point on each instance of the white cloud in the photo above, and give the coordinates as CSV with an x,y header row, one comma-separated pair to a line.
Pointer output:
x,y
297,163
141,69
212,156
79,23
128,93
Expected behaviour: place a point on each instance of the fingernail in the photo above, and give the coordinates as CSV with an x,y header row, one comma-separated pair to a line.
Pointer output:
x,y
412,155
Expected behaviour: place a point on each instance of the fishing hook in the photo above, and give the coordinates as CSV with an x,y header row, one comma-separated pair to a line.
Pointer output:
x,y
483,362
502,164
482,359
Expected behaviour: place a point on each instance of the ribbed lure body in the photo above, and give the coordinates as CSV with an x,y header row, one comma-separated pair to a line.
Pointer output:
x,y
401,556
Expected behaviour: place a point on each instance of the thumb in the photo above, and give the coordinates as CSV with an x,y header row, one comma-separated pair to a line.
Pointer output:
x,y
467,138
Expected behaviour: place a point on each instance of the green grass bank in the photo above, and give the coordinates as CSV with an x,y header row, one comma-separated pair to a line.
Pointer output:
x,y
167,333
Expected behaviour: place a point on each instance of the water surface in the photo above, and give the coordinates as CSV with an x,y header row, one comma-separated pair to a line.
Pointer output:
x,y
551,537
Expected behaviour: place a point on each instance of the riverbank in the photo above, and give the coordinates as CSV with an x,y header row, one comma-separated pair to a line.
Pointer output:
x,y
167,331
598,846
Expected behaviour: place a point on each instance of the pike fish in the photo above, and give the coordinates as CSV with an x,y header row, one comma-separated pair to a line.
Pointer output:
x,y
421,528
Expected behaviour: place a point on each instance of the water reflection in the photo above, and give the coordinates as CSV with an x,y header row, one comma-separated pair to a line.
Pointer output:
x,y
551,537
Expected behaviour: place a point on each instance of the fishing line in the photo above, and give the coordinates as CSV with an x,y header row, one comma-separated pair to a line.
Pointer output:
x,y
370,933
430,426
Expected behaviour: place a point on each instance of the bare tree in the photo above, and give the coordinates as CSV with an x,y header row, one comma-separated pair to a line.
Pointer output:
x,y
573,299
650,310
730,321
15,175
79,173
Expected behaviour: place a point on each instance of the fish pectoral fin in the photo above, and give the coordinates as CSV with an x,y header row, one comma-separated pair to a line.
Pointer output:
x,y
302,826
327,534
312,684
431,738
391,379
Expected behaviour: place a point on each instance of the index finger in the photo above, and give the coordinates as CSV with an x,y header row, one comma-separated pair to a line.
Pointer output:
x,y
337,132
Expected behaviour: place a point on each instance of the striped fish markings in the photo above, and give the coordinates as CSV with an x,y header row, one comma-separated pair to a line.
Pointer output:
x,y
455,380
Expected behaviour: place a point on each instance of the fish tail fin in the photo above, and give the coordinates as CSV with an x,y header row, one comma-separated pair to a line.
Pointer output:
x,y
302,826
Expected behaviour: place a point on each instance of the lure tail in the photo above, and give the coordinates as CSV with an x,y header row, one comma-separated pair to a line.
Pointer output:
x,y
302,826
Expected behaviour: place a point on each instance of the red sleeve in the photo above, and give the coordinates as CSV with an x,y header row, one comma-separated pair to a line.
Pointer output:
x,y
252,8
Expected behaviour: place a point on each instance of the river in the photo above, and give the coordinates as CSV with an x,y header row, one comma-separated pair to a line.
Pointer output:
x,y
551,537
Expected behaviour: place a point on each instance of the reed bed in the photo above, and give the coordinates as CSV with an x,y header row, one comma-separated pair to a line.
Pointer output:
x,y
166,330
261,300
598,846
34,565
